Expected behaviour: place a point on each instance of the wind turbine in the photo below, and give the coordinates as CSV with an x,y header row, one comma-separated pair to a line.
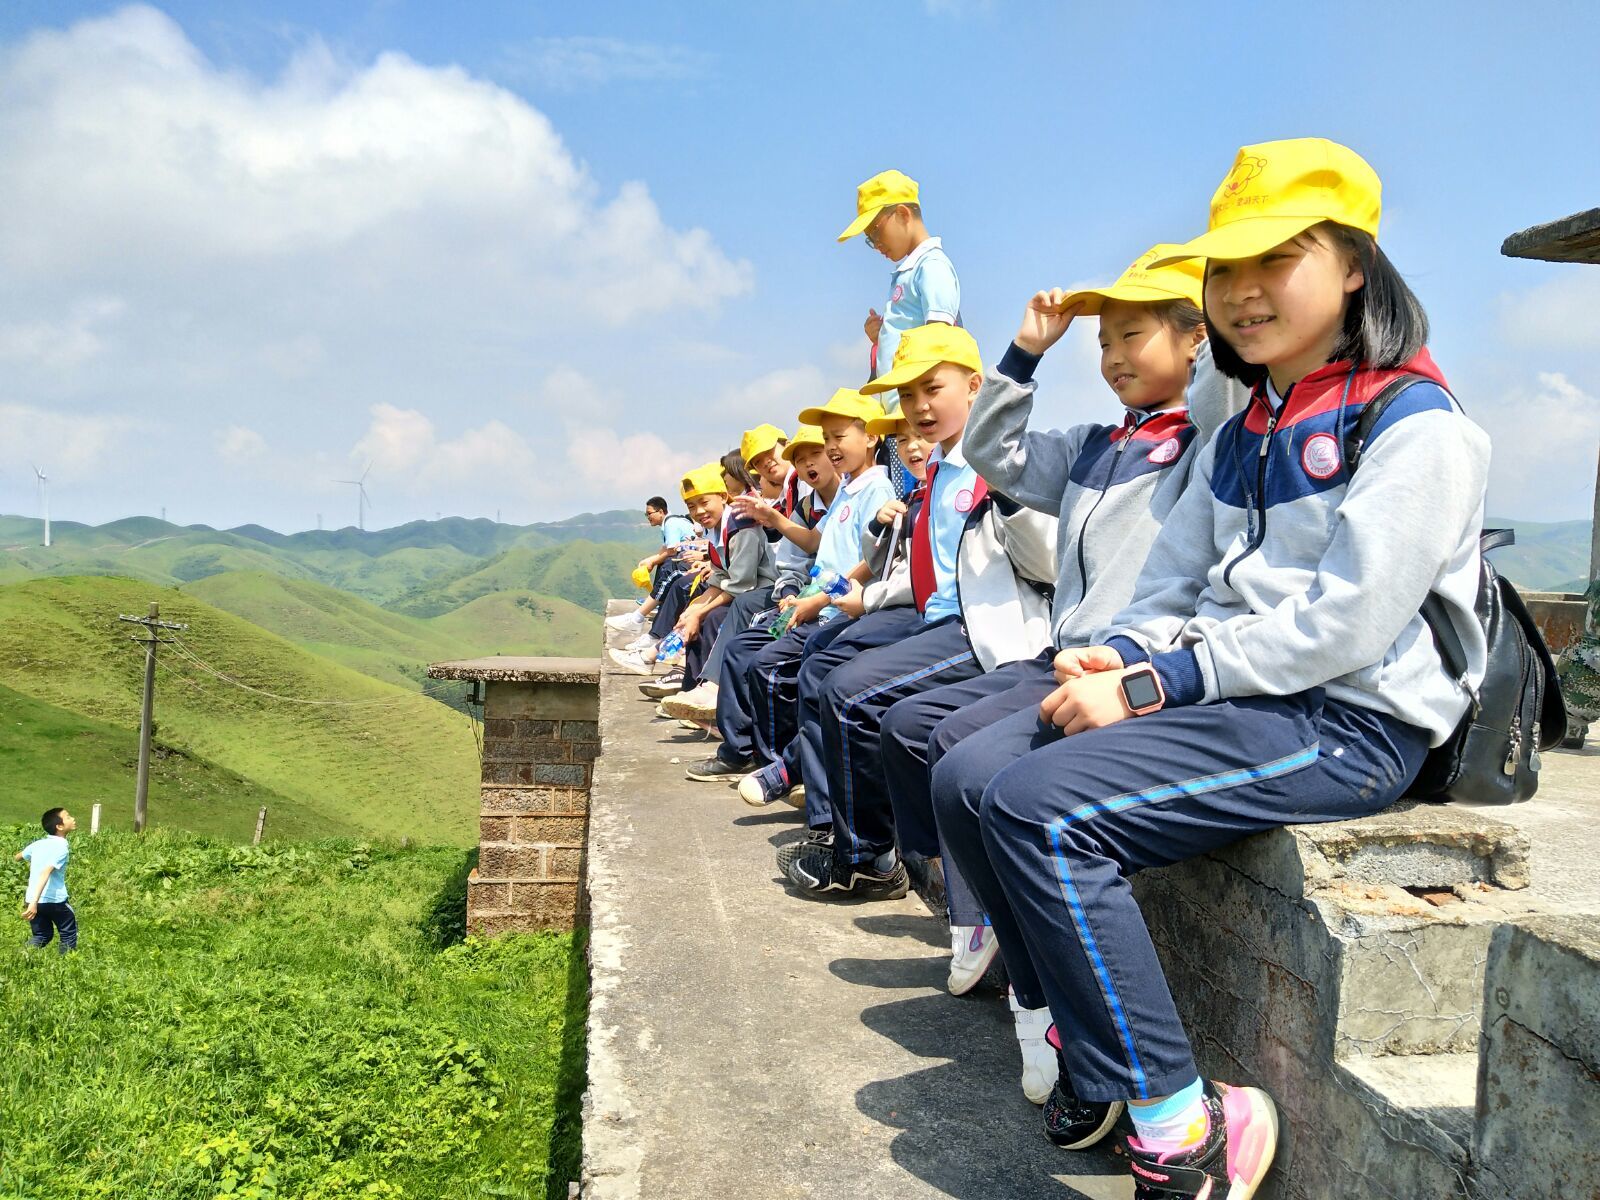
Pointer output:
x,y
361,497
44,501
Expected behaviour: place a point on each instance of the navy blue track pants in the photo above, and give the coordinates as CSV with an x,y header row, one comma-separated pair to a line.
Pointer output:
x,y
51,919
823,656
851,704
1066,820
757,708
918,730
671,607
741,612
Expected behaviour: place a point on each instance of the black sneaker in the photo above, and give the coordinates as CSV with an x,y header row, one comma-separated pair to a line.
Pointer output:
x,y
818,873
927,881
716,770
821,836
1232,1161
1075,1124
669,684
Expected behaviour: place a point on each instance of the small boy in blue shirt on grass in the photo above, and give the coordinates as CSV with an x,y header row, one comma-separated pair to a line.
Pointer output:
x,y
45,906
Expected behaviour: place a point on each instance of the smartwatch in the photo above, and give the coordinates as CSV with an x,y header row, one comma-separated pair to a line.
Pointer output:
x,y
1141,690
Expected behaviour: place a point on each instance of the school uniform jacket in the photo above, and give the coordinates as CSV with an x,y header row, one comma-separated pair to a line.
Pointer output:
x,y
740,555
1004,563
1111,486
1279,571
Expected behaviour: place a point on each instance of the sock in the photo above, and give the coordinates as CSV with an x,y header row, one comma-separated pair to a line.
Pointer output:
x,y
884,863
1177,1123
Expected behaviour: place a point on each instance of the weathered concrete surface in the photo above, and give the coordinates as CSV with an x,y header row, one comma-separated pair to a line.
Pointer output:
x,y
745,1042
1563,826
1539,1082
510,668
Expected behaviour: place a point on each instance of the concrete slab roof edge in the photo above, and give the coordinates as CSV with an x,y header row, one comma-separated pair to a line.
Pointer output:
x,y
509,668
1570,239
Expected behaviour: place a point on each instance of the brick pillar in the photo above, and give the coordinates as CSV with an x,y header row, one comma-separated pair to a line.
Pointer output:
x,y
541,735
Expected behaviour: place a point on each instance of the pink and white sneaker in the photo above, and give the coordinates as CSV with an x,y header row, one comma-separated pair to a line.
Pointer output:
x,y
1229,1164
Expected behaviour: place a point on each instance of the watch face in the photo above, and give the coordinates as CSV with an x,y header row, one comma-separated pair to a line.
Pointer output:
x,y
1140,691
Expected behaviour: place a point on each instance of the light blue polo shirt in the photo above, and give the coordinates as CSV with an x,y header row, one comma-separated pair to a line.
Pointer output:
x,y
675,530
856,503
42,855
954,494
923,288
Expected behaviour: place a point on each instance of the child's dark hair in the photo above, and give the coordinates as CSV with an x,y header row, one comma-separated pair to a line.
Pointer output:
x,y
733,467
1384,323
657,503
1178,315
51,819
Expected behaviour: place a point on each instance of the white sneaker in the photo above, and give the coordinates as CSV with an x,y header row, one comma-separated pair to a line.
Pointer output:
x,y
631,661
626,622
642,642
1039,1064
972,950
698,703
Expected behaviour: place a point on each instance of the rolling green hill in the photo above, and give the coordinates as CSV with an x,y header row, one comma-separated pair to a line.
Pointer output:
x,y
1545,557
366,756
392,646
586,573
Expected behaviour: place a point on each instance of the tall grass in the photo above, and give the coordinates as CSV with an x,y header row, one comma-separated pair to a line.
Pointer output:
x,y
282,1021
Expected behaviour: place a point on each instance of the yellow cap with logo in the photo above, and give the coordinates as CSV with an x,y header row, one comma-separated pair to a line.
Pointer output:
x,y
921,350
1277,190
758,441
805,435
877,194
704,481
887,425
641,578
1183,279
844,403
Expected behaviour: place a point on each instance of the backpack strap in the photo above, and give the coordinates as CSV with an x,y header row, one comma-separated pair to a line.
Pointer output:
x,y
1356,439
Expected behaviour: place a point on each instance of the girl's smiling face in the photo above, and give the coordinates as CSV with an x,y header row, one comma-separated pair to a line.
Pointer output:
x,y
1283,310
1144,359
811,462
913,450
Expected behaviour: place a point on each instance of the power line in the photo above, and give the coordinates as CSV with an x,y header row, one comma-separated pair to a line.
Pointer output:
x,y
377,702
153,626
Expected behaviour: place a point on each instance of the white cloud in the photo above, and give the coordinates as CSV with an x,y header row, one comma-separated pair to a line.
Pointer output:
x,y
1561,314
627,464
1533,475
571,63
66,445
237,445
59,344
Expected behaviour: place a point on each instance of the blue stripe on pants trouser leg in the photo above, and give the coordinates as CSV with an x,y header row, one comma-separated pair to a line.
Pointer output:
x,y
823,654
744,608
854,698
1068,820
916,732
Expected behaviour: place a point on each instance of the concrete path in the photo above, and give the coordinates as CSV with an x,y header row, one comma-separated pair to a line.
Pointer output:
x,y
746,1042
1563,825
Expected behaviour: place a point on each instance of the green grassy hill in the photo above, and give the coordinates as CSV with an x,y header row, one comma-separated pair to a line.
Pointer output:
x,y
369,756
77,762
291,1020
585,573
1545,557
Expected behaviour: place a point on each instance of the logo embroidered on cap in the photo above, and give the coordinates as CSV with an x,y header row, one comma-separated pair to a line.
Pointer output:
x,y
1246,169
1166,451
1320,456
964,500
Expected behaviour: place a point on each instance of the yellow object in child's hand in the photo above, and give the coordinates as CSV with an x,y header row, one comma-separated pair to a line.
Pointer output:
x,y
641,577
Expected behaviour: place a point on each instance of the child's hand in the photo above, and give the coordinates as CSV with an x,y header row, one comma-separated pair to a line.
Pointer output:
x,y
1091,702
891,510
854,602
755,509
1086,660
30,912
788,602
688,626
1046,318
872,325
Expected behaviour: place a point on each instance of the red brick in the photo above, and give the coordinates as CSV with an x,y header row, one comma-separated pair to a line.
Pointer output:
x,y
565,862
498,801
495,829
488,895
563,831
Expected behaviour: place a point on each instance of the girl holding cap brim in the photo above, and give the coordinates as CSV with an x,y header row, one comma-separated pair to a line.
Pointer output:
x,y
1273,667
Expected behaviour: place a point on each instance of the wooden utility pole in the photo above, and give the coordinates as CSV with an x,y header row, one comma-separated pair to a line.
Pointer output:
x,y
153,624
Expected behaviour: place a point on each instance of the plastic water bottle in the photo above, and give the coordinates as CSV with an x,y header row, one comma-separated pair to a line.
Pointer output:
x,y
831,582
670,645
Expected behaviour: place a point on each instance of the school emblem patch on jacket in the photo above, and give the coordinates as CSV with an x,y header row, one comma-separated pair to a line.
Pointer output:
x,y
1320,456
1166,451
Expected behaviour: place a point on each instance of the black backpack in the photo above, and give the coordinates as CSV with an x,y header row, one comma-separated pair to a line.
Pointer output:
x,y
1492,757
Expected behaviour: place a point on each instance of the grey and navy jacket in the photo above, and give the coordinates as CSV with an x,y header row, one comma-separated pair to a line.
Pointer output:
x,y
793,564
1004,564
740,555
1111,486
1279,571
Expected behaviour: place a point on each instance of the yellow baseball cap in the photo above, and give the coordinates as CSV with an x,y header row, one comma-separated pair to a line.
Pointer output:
x,y
1181,279
805,435
1279,189
921,350
640,577
704,481
844,403
877,194
758,441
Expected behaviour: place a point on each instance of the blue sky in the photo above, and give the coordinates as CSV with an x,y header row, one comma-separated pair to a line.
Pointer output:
x,y
537,258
